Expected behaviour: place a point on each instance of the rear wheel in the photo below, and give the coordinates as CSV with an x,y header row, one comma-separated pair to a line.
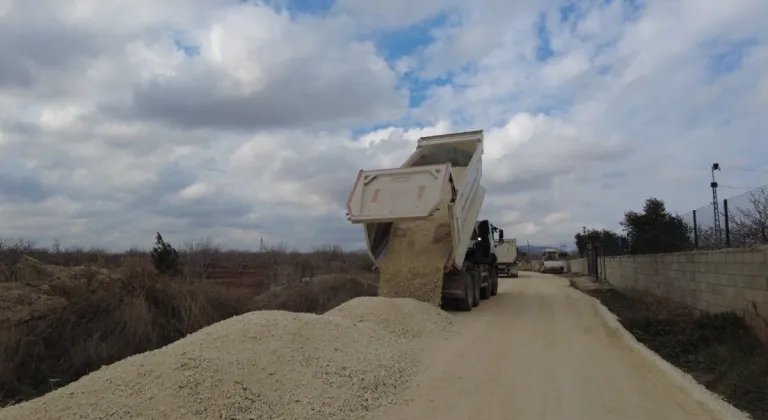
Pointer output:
x,y
466,303
495,284
485,291
476,288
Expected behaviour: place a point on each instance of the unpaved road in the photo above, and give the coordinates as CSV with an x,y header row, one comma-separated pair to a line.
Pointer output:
x,y
542,350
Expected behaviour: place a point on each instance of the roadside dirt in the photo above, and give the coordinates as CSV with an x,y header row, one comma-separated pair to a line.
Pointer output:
x,y
542,350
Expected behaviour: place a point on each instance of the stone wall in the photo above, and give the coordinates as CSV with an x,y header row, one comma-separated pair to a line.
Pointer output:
x,y
712,281
578,265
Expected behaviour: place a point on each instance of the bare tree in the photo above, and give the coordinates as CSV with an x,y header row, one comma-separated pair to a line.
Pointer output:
x,y
202,256
748,222
708,238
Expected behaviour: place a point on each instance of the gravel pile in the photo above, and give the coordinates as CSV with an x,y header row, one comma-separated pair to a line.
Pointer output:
x,y
261,365
405,318
413,263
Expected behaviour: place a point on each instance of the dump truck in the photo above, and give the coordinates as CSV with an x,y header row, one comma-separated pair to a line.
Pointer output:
x,y
444,170
506,252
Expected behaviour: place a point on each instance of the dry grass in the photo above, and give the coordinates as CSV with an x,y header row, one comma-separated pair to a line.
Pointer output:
x,y
66,313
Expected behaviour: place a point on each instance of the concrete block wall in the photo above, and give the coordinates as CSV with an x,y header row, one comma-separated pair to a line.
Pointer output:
x,y
579,265
712,281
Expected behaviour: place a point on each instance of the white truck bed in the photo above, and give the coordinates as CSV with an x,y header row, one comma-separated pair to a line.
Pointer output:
x,y
416,190
506,251
506,254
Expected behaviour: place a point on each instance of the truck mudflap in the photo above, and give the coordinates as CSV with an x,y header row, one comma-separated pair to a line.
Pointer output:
x,y
454,285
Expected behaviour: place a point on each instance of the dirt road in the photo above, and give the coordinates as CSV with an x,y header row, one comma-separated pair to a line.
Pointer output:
x,y
542,350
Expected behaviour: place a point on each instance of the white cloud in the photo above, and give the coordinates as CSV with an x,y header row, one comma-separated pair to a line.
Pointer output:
x,y
557,217
116,133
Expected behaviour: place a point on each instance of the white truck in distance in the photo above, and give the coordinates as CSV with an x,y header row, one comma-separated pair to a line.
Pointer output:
x,y
506,252
449,164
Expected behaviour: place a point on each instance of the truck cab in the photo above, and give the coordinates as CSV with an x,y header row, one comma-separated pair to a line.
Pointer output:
x,y
482,246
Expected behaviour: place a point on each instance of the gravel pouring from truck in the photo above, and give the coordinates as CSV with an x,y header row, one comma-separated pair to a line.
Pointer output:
x,y
506,251
437,194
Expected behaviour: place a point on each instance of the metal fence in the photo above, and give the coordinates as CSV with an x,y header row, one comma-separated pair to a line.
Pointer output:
x,y
743,221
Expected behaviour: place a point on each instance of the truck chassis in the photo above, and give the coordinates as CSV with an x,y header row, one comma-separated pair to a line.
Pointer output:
x,y
478,279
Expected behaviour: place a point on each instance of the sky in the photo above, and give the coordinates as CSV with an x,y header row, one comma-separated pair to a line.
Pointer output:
x,y
241,120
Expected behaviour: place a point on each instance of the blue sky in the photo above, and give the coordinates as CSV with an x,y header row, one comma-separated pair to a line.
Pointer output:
x,y
261,113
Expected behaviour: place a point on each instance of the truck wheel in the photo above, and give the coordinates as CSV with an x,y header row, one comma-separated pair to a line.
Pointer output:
x,y
485,291
493,278
495,285
476,287
466,303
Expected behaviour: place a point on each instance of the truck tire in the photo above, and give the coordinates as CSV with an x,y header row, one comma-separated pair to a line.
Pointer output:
x,y
476,288
495,284
485,291
465,304
493,278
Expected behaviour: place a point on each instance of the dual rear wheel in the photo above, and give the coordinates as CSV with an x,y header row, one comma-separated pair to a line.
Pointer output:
x,y
474,293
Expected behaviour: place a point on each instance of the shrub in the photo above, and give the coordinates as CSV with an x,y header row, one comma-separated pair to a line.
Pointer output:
x,y
164,257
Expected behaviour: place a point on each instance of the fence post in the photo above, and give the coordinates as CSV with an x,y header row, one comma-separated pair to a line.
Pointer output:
x,y
695,231
727,225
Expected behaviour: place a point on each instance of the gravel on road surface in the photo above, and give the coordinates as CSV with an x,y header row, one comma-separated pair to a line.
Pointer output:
x,y
542,350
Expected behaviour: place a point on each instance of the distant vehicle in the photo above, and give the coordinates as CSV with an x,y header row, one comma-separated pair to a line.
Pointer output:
x,y
552,262
506,251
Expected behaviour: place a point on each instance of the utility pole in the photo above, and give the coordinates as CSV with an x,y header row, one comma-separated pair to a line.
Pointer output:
x,y
716,205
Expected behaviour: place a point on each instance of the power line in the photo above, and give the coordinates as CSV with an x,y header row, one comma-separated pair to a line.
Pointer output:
x,y
744,168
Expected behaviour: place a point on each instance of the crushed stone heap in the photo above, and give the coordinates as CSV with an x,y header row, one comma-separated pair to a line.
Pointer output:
x,y
402,317
261,365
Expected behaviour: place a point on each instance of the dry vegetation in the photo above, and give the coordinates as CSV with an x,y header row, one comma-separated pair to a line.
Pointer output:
x,y
720,350
65,313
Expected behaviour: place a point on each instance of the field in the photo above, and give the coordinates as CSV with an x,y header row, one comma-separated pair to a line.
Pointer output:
x,y
65,313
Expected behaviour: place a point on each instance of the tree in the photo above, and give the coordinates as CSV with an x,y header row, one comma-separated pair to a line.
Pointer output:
x,y
655,230
609,242
709,239
748,223
202,255
164,257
